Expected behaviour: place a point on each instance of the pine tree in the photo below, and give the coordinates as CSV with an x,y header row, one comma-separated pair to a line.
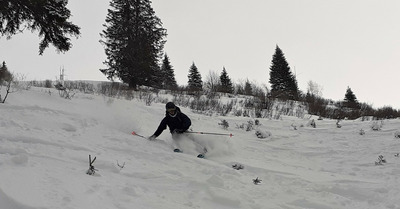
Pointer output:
x,y
5,75
283,82
195,84
167,75
48,17
226,83
248,90
350,99
134,40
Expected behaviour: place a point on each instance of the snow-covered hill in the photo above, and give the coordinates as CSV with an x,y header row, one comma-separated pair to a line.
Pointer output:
x,y
45,142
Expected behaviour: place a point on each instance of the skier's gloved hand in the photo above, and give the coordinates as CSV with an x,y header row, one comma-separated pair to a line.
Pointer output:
x,y
178,131
152,137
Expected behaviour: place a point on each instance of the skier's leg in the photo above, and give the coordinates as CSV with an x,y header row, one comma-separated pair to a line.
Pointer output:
x,y
176,142
199,146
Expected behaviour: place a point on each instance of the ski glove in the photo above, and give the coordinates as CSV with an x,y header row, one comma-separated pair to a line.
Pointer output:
x,y
152,137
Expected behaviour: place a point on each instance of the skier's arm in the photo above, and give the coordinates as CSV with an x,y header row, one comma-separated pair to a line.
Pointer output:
x,y
161,127
186,122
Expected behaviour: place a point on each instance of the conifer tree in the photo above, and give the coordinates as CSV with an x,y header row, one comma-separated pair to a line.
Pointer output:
x,y
226,83
48,17
350,99
195,84
248,90
5,75
283,82
133,40
167,75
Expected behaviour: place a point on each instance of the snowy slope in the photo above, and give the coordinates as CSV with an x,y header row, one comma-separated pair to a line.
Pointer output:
x,y
45,142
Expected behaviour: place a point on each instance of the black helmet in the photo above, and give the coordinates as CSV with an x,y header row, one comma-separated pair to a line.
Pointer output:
x,y
170,105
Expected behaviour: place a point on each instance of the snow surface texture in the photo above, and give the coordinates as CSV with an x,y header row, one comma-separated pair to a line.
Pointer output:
x,y
45,142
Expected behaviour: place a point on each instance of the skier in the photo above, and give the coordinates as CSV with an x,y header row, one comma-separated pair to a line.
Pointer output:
x,y
177,122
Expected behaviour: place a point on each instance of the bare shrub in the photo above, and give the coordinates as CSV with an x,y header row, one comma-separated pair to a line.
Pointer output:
x,y
397,135
111,89
149,99
238,113
262,134
312,123
12,83
129,94
362,132
64,92
226,108
338,125
246,126
181,100
224,124
376,126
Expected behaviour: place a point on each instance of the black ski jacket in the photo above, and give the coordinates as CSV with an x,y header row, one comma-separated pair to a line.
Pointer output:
x,y
179,122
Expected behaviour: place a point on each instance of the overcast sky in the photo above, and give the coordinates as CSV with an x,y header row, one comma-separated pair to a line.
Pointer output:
x,y
335,43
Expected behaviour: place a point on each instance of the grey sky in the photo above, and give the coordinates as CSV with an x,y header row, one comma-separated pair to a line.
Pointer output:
x,y
335,43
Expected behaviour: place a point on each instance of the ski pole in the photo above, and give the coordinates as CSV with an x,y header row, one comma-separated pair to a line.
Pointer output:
x,y
199,132
134,133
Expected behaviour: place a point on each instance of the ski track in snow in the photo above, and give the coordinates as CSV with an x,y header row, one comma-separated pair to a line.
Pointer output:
x,y
45,142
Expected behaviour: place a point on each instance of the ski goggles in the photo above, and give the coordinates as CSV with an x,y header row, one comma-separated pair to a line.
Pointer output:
x,y
171,109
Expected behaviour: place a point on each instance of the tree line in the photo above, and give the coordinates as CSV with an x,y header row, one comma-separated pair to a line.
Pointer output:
x,y
133,40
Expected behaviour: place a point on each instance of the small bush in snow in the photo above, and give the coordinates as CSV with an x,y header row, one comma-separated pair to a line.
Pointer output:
x,y
248,127
121,166
262,134
312,123
91,170
225,109
397,135
380,161
240,126
237,166
362,132
376,127
149,99
224,124
246,113
257,181
338,124
129,95
67,94
238,113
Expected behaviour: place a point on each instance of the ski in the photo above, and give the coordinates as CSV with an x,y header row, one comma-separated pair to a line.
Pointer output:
x,y
203,155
